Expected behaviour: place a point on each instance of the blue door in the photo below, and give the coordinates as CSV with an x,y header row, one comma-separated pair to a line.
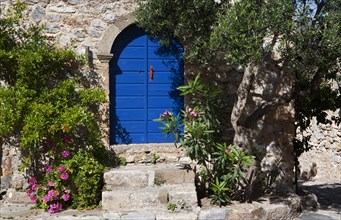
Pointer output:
x,y
144,77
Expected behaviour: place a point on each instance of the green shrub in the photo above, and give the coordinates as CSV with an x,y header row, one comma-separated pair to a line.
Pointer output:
x,y
75,182
223,167
46,103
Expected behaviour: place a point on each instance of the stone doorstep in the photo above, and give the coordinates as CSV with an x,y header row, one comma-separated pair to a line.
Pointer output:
x,y
121,178
137,153
153,198
139,176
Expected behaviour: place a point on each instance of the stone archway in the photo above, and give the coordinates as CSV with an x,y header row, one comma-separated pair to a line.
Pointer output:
x,y
104,56
111,33
105,44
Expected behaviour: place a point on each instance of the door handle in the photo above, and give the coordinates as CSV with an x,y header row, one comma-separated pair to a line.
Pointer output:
x,y
151,72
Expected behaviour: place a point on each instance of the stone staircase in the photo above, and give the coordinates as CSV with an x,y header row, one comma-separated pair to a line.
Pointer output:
x,y
149,187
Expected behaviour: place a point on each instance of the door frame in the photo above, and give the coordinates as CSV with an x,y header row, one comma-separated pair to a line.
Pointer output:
x,y
104,56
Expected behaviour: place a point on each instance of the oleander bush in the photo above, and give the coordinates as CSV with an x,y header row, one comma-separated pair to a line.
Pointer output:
x,y
223,168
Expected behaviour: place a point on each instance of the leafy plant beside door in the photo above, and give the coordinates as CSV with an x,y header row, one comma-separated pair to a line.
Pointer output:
x,y
223,167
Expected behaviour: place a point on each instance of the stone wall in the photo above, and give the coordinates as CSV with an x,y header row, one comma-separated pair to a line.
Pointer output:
x,y
323,160
76,24
11,177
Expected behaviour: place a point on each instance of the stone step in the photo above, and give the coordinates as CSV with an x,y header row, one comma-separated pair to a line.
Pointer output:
x,y
150,197
140,176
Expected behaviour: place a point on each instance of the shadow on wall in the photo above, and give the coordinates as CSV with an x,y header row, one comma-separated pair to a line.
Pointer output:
x,y
171,55
121,42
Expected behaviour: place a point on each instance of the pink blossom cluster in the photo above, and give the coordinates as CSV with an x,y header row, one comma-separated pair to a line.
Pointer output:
x,y
65,153
55,207
48,169
166,114
64,176
31,192
191,113
61,168
51,192
66,197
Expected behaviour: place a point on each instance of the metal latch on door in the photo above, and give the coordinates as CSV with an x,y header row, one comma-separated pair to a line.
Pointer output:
x,y
151,72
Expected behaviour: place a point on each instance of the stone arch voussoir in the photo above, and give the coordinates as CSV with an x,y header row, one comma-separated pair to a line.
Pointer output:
x,y
110,35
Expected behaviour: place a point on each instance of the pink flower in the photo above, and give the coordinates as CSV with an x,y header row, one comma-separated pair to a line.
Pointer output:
x,y
44,188
48,169
228,151
166,114
61,168
66,197
194,114
56,207
51,193
34,187
64,176
191,113
46,198
65,153
51,183
33,198
29,192
67,191
32,181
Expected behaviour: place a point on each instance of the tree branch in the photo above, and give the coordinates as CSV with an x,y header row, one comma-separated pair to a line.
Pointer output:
x,y
320,5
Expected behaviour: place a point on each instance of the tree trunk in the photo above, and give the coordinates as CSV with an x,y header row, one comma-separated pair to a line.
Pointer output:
x,y
263,120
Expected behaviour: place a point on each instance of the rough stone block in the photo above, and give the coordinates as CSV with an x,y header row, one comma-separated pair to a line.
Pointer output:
x,y
61,8
186,194
130,199
213,214
258,213
14,196
115,200
38,13
5,182
175,176
309,202
240,214
128,178
277,212
146,197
